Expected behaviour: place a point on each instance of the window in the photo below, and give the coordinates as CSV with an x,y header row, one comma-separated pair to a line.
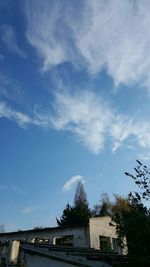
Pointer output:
x,y
64,240
105,244
116,247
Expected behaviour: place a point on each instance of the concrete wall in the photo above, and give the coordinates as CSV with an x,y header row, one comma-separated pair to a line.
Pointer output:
x,y
100,226
80,235
33,260
37,261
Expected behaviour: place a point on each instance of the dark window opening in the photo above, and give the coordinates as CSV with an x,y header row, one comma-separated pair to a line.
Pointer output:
x,y
64,241
105,244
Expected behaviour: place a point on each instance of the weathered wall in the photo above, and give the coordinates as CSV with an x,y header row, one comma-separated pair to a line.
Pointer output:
x,y
37,261
100,226
81,235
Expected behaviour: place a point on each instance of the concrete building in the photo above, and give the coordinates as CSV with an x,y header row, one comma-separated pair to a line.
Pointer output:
x,y
21,254
91,246
99,234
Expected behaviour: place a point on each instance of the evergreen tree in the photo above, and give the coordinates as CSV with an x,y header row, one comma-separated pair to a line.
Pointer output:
x,y
79,213
81,207
67,216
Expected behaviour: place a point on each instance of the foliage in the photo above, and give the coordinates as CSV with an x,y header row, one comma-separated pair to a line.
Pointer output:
x,y
81,207
132,217
38,228
80,198
142,179
79,213
103,208
67,216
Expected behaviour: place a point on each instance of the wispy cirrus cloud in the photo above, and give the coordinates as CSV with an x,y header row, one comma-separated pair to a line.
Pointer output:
x,y
90,120
93,122
72,181
95,34
85,115
7,112
8,36
42,21
125,127
10,89
12,188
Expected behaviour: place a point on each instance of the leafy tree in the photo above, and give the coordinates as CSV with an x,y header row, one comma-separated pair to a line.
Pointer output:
x,y
132,217
79,213
103,208
142,179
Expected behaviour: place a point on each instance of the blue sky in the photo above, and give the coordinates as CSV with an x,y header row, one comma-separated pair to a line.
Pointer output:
x,y
74,103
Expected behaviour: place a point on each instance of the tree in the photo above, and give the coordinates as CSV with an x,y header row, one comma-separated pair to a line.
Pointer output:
x,y
80,198
132,217
103,208
79,213
81,208
142,180
67,216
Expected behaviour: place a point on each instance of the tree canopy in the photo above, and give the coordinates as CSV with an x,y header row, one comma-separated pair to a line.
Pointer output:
x,y
132,217
79,212
103,208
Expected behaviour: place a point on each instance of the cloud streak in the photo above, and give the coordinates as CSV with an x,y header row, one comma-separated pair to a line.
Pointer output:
x,y
93,122
86,116
95,34
90,120
9,38
10,89
7,112
72,181
12,188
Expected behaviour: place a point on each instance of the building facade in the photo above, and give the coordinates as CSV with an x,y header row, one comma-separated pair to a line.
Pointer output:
x,y
100,234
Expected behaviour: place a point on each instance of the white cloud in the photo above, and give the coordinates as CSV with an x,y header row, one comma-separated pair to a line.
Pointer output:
x,y
93,122
86,116
8,36
97,34
89,119
44,24
10,89
124,128
7,112
72,181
